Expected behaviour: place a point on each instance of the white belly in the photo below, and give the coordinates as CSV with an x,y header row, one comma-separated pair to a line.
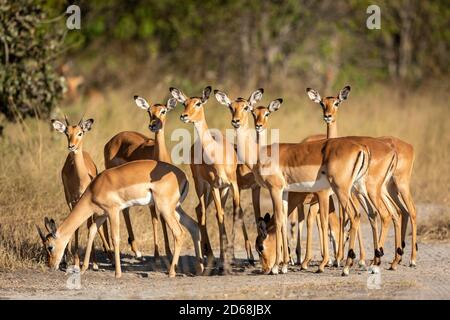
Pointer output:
x,y
309,186
137,202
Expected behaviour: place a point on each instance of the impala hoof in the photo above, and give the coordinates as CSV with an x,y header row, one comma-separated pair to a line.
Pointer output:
x,y
274,269
362,264
319,270
412,264
284,269
199,269
138,255
95,267
345,271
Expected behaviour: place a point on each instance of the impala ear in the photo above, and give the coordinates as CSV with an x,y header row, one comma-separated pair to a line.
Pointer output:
x,y
171,104
222,98
177,94
275,105
141,102
313,95
86,125
267,218
256,96
41,234
50,225
59,126
206,93
343,94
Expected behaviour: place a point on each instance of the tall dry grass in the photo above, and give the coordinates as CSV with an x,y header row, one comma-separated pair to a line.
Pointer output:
x,y
32,154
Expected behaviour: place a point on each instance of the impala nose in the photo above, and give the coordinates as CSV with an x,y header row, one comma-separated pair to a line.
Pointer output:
x,y
328,118
258,128
184,117
71,147
236,123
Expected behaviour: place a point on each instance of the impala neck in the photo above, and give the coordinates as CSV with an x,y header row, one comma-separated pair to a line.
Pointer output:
x,y
80,213
332,130
161,153
247,146
203,133
80,165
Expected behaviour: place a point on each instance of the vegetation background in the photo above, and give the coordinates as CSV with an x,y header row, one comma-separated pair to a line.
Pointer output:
x,y
399,76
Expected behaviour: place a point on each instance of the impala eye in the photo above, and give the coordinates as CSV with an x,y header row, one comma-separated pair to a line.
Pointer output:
x,y
163,111
198,104
246,108
50,248
80,134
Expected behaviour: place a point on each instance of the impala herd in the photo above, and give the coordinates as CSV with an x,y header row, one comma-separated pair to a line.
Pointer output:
x,y
328,179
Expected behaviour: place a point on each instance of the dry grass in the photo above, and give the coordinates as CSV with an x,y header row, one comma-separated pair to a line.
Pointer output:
x,y
32,155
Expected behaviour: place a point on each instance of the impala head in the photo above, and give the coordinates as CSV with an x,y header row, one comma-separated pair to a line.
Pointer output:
x,y
240,108
53,246
329,104
156,112
75,133
266,243
193,106
261,114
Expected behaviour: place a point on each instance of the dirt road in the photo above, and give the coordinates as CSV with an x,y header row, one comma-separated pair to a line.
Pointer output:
x,y
148,280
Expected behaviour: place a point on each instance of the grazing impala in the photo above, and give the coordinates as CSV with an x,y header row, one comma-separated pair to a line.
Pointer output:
x,y
134,183
214,173
304,167
384,163
77,172
129,146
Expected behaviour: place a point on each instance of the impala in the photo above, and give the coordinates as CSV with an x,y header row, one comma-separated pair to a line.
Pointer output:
x,y
214,173
239,108
134,183
304,167
380,175
77,173
129,146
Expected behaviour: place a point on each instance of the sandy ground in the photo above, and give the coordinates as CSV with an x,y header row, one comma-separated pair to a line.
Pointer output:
x,y
147,279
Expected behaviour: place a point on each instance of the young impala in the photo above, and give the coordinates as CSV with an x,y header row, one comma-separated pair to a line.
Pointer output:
x,y
214,171
77,173
134,183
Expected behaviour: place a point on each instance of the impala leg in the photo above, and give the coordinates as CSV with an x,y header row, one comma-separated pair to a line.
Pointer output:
x,y
166,238
115,234
194,231
92,254
333,221
178,235
372,216
76,253
131,240
301,221
256,192
354,225
284,233
238,218
155,223
362,250
324,201
341,236
104,236
93,228
200,210
397,228
313,210
277,201
406,195
221,223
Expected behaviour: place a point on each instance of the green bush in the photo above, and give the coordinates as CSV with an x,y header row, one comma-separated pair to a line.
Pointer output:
x,y
29,45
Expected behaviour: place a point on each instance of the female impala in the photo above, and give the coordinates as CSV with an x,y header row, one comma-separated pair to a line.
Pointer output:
x,y
129,146
77,172
214,172
138,182
304,167
239,109
382,167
